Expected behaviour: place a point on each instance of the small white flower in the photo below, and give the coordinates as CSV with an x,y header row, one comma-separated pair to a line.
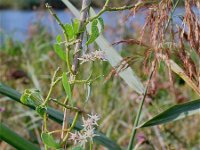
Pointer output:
x,y
74,137
89,133
94,119
93,56
82,140
87,124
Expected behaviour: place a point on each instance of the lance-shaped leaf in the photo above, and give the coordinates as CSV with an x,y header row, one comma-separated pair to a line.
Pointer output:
x,y
174,113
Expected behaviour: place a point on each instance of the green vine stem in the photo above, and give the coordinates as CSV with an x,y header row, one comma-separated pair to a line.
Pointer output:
x,y
106,8
91,145
134,130
67,44
70,129
67,106
53,83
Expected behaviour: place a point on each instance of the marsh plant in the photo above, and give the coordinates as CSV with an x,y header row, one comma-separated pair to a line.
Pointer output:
x,y
82,42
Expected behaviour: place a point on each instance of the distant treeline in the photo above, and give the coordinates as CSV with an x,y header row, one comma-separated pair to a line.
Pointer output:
x,y
57,4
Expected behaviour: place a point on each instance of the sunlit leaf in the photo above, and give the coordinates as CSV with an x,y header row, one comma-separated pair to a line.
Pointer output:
x,y
76,24
174,113
49,140
94,32
67,87
59,38
101,22
31,97
70,31
59,51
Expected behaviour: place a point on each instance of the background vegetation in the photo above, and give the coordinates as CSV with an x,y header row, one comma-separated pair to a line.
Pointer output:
x,y
32,63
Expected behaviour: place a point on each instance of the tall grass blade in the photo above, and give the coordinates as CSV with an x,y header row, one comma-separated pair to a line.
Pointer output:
x,y
15,140
113,57
58,117
174,113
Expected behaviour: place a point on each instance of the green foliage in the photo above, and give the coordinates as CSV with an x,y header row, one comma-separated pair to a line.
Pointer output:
x,y
96,28
59,51
58,117
67,87
70,31
76,24
101,22
41,110
12,138
49,140
174,113
31,97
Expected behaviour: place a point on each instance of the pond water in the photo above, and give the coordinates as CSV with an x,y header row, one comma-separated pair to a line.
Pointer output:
x,y
16,23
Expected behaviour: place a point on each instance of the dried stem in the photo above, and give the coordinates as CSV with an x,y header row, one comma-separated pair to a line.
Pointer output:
x,y
78,46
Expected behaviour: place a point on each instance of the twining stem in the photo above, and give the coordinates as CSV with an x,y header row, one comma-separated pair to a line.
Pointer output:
x,y
64,124
53,83
67,106
134,130
70,129
65,36
106,8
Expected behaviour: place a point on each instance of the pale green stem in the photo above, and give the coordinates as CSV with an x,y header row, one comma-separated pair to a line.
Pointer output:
x,y
91,145
70,129
67,106
134,130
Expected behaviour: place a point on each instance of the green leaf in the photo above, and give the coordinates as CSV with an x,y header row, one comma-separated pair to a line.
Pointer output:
x,y
31,97
70,31
174,113
58,117
59,51
94,32
25,99
77,148
12,138
41,110
76,24
101,22
59,38
128,75
49,140
67,87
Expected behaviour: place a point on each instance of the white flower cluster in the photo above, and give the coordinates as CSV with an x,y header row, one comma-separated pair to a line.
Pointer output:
x,y
87,133
96,55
